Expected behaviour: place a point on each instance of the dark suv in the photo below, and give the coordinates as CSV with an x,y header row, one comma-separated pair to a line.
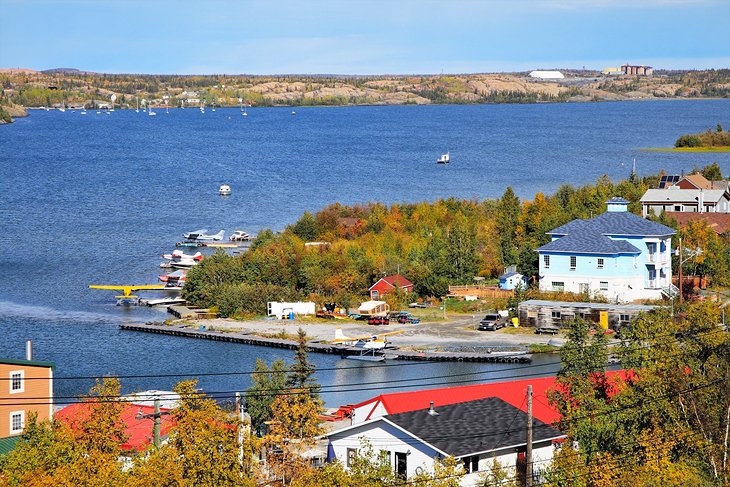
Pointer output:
x,y
492,322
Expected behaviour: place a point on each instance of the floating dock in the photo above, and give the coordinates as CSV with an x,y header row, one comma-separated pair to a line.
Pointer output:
x,y
314,347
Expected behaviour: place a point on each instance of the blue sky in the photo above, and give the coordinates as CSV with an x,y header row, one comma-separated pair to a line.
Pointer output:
x,y
358,37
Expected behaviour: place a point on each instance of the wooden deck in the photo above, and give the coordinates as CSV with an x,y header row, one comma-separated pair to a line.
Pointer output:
x,y
316,347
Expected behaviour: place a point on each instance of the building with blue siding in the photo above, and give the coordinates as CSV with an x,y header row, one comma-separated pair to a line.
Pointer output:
x,y
616,254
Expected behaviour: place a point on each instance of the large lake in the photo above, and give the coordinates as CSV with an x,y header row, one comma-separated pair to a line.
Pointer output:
x,y
96,198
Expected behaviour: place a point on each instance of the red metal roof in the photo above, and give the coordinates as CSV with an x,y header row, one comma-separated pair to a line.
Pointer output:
x,y
394,280
139,431
512,392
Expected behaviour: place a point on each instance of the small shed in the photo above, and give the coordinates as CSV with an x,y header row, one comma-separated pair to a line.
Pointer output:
x,y
510,280
389,284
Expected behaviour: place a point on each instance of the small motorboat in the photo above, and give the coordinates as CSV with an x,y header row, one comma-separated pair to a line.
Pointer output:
x,y
224,190
444,159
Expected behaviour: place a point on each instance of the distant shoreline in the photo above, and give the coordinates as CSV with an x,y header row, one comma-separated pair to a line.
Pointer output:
x,y
686,149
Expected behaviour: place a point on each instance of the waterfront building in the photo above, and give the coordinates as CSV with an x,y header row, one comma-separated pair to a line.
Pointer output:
x,y
537,313
27,387
389,284
616,254
474,432
687,194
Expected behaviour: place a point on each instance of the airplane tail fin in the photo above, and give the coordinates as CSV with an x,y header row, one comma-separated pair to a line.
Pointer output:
x,y
339,335
198,256
220,235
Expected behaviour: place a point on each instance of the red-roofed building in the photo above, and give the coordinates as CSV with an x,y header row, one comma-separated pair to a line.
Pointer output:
x,y
389,284
138,431
512,392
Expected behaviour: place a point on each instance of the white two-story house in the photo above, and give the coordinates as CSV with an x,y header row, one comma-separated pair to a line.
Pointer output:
x,y
617,254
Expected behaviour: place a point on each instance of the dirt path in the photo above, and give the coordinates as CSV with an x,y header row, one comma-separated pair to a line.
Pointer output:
x,y
459,331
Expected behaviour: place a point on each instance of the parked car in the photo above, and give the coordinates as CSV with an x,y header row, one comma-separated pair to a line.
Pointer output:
x,y
492,322
378,320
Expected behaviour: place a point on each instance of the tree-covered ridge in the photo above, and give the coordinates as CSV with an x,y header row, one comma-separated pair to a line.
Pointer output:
x,y
74,87
709,138
433,244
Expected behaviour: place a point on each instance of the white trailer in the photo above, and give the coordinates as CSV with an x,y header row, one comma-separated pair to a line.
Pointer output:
x,y
284,310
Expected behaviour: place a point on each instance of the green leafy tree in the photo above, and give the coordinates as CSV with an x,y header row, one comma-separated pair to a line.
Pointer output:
x,y
267,383
306,227
508,212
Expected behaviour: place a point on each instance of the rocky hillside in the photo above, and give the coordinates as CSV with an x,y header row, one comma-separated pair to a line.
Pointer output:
x,y
73,87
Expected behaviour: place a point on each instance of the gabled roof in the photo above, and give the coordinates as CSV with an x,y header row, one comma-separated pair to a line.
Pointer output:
x,y
589,243
507,275
393,281
682,195
616,223
472,427
139,431
718,222
511,391
30,363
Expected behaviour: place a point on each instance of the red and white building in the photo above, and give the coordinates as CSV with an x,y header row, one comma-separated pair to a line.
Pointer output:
x,y
388,285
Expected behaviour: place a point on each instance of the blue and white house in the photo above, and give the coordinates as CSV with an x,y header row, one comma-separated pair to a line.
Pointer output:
x,y
511,279
617,254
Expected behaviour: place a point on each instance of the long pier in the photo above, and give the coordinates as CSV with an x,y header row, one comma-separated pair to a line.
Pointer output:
x,y
329,348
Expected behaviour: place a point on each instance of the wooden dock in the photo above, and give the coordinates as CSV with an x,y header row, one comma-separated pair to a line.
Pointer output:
x,y
315,347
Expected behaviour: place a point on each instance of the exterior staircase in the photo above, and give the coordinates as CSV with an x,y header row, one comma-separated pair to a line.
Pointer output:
x,y
670,291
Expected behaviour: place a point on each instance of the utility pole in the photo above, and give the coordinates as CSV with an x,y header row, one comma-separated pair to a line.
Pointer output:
x,y
156,421
528,452
680,270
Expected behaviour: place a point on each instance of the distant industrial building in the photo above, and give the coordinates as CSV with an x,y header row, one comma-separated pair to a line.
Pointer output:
x,y
547,75
612,71
637,70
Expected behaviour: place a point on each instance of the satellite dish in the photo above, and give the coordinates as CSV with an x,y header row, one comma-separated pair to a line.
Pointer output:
x,y
113,97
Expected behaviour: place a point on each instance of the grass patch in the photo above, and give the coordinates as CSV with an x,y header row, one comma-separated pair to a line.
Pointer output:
x,y
521,330
543,348
687,149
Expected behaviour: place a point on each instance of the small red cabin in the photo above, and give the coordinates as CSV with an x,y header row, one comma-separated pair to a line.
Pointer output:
x,y
388,284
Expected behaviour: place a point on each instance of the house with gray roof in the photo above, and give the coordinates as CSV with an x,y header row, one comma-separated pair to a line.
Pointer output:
x,y
475,432
616,254
676,199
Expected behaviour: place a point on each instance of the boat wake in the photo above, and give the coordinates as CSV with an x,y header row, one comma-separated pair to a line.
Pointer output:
x,y
9,310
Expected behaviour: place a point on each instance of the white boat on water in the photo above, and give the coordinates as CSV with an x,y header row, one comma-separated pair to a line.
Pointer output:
x,y
444,159
224,190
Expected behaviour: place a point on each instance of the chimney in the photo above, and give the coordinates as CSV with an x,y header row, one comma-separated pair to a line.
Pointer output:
x,y
431,410
29,350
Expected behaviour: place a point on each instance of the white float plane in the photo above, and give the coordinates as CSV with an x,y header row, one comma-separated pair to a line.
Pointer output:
x,y
368,344
180,255
201,235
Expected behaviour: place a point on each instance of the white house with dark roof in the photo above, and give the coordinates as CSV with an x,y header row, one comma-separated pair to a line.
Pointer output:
x,y
475,432
617,254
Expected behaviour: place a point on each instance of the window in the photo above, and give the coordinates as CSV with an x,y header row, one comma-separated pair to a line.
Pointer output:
x,y
546,261
384,457
584,288
604,285
555,315
17,422
17,384
351,454
600,263
573,262
624,318
375,294
471,464
558,286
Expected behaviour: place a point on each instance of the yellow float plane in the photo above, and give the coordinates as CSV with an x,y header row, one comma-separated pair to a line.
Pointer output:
x,y
127,297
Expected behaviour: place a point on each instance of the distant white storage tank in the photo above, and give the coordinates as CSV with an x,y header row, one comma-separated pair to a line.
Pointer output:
x,y
547,75
284,310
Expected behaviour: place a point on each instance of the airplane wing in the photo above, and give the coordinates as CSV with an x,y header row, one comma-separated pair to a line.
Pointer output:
x,y
128,290
397,332
353,339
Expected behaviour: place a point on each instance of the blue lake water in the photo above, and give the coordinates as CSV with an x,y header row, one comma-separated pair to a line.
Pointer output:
x,y
96,198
